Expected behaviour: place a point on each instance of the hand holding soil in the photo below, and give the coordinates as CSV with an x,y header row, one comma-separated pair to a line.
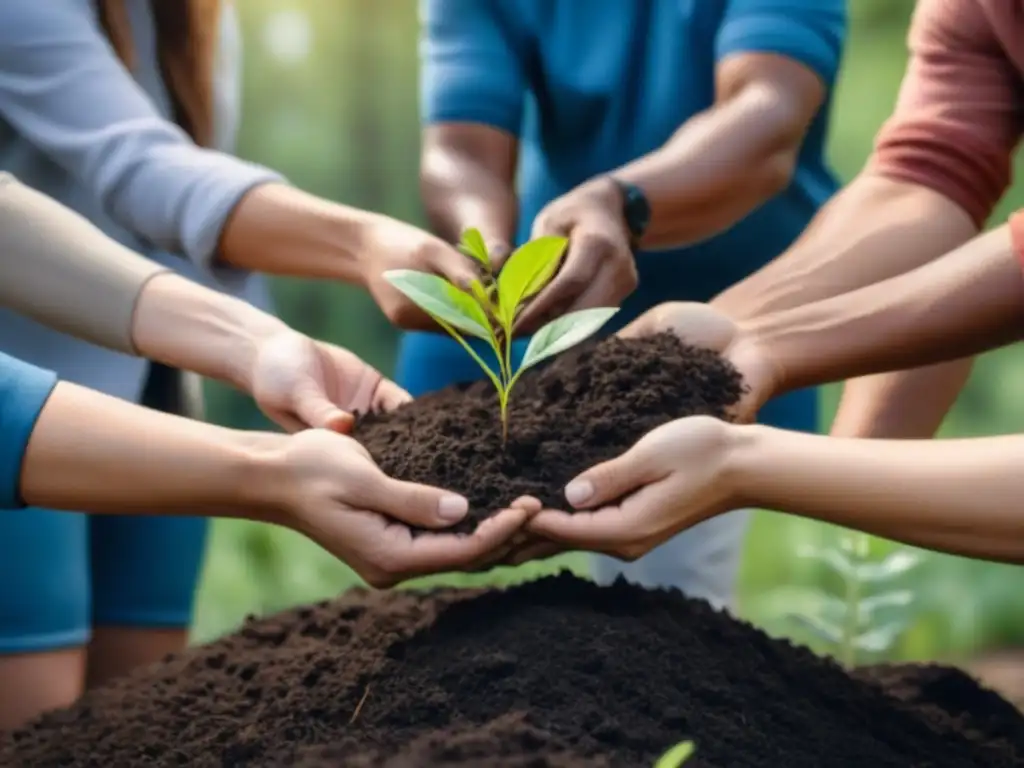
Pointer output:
x,y
336,495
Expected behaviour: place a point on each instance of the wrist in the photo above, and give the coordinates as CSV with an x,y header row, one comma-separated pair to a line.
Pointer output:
x,y
279,229
184,325
748,447
259,477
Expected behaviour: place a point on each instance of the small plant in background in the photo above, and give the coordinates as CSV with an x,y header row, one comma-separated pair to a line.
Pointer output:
x,y
870,615
490,308
677,755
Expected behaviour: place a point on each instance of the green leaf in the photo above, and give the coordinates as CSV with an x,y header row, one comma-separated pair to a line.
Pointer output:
x,y
882,638
437,297
565,332
901,598
473,245
835,559
820,628
528,269
483,295
470,307
677,755
896,564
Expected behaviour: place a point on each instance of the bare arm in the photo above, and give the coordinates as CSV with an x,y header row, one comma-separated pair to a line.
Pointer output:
x,y
472,87
958,496
967,302
940,165
731,158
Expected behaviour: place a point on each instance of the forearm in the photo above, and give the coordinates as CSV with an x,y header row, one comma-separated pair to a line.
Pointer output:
x,y
468,181
967,302
97,454
184,325
902,404
281,230
958,496
60,270
717,168
872,230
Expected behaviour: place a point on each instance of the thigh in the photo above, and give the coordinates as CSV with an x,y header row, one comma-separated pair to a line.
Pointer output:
x,y
145,569
44,567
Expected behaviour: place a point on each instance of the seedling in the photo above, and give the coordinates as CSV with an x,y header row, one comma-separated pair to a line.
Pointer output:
x,y
677,755
853,623
490,308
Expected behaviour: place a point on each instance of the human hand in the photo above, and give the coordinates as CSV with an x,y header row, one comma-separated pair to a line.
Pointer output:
x,y
392,244
703,325
599,269
673,478
301,383
331,490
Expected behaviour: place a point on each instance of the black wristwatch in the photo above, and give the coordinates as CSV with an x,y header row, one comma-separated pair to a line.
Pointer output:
x,y
636,209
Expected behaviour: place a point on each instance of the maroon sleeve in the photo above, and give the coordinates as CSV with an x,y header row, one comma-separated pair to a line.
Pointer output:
x,y
958,115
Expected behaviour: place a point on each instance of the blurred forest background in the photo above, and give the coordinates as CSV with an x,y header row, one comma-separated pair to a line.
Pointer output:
x,y
331,100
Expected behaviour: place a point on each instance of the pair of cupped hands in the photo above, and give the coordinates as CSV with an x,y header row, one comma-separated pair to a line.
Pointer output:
x,y
674,477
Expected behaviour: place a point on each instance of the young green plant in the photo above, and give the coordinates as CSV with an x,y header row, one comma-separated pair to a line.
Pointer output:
x,y
489,309
677,755
854,623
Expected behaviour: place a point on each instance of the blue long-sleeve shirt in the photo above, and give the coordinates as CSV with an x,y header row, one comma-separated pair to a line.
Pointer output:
x,y
588,86
76,125
24,390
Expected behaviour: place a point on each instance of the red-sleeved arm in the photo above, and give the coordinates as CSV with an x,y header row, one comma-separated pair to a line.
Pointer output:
x,y
958,116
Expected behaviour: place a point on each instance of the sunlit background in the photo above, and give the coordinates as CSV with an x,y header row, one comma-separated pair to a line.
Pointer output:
x,y
331,101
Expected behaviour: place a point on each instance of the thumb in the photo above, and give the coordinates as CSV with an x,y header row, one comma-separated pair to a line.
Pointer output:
x,y
610,481
418,505
314,409
457,269
499,251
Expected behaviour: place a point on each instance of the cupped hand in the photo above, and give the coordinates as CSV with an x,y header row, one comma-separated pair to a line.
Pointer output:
x,y
599,269
673,478
301,383
705,326
392,244
336,495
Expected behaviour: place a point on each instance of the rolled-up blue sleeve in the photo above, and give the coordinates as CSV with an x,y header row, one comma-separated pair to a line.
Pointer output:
x,y
63,88
471,63
811,32
24,390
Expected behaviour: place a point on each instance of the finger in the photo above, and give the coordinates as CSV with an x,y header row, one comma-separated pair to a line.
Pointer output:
x,y
315,410
433,553
600,530
459,270
613,479
533,549
499,251
528,503
419,505
389,396
285,421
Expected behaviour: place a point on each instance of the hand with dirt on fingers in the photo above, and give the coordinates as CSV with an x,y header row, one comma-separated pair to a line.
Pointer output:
x,y
599,269
331,490
673,478
703,325
301,383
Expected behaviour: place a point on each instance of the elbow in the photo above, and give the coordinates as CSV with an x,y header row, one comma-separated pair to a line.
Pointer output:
x,y
774,174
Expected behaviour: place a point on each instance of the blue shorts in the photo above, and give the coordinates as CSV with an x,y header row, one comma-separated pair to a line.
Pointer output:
x,y
65,573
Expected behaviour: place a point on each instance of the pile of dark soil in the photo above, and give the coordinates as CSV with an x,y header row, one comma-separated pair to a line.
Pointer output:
x,y
554,673
589,405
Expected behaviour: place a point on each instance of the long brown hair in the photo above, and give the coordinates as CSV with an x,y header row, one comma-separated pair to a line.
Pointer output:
x,y
186,35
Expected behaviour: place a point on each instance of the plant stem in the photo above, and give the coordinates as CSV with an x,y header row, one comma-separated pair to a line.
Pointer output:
x,y
860,545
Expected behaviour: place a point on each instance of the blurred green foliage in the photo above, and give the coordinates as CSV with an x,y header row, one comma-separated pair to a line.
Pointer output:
x,y
331,100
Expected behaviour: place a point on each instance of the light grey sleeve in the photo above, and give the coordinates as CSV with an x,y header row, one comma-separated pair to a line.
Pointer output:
x,y
64,89
60,270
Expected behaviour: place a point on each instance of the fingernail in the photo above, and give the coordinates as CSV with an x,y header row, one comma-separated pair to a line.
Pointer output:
x,y
452,508
579,491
